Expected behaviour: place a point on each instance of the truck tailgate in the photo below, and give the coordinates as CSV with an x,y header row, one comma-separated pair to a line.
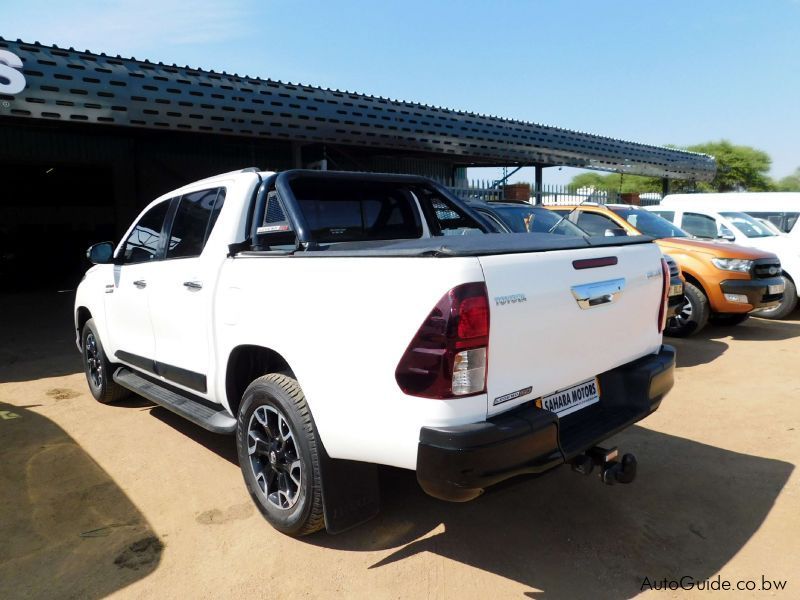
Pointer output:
x,y
542,340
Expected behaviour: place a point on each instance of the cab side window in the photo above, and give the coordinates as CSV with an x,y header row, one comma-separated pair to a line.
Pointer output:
x,y
595,224
194,219
144,242
700,225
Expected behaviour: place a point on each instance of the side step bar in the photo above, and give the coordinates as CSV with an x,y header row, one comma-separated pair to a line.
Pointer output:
x,y
218,421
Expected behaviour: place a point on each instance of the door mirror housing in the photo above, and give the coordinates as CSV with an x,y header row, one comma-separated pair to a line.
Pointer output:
x,y
727,236
101,254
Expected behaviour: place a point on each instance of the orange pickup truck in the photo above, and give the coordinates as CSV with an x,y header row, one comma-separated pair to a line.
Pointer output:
x,y
724,282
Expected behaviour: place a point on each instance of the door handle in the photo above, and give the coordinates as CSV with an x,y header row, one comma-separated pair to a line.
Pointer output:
x,y
140,283
193,285
594,294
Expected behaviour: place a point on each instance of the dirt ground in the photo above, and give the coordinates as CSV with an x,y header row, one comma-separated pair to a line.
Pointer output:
x,y
130,501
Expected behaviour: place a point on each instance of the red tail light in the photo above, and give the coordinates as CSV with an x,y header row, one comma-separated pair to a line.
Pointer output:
x,y
448,356
662,311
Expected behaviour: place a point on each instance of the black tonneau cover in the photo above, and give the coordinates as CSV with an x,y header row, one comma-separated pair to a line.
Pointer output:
x,y
463,245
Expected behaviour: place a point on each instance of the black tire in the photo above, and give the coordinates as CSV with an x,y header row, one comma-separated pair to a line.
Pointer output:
x,y
727,320
693,316
269,465
97,367
785,308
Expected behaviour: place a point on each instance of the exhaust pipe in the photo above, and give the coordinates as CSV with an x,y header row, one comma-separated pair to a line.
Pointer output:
x,y
611,470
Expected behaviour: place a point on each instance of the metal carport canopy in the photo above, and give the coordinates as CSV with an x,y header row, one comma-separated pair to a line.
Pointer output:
x,y
82,87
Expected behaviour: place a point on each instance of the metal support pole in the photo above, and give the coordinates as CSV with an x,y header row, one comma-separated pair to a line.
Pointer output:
x,y
538,182
664,187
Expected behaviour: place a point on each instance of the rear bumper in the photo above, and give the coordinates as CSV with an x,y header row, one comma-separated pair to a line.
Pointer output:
x,y
755,290
458,463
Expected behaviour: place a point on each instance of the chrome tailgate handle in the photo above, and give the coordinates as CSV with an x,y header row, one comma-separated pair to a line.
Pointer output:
x,y
589,295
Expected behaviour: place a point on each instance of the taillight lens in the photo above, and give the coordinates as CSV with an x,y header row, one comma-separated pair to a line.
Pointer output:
x,y
448,356
662,311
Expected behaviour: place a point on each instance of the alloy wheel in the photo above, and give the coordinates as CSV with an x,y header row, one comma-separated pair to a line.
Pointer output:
x,y
93,361
274,457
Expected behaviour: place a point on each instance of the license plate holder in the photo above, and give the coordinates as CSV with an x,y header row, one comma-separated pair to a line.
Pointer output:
x,y
573,398
778,288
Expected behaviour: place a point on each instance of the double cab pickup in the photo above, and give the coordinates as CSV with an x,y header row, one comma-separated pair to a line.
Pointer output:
x,y
334,322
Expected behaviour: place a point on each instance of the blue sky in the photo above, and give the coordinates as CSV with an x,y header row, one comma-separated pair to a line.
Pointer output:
x,y
674,72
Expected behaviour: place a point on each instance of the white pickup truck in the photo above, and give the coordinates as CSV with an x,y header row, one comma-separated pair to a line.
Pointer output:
x,y
335,322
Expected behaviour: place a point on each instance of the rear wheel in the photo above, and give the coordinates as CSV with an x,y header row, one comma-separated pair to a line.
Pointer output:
x,y
785,308
277,445
97,367
692,316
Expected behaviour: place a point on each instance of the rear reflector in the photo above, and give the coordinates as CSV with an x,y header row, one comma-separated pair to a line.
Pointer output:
x,y
448,355
592,263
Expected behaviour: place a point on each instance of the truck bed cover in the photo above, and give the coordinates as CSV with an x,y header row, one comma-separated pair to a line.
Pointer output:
x,y
459,246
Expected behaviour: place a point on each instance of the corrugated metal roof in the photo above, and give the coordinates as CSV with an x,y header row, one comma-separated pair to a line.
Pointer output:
x,y
68,85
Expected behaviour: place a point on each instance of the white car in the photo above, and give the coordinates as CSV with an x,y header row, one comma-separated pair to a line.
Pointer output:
x,y
333,322
744,230
782,209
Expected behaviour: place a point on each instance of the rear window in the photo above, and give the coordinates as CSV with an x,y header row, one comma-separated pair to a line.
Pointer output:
x,y
349,211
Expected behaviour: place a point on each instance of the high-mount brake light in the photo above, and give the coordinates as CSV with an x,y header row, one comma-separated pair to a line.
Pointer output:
x,y
448,356
662,311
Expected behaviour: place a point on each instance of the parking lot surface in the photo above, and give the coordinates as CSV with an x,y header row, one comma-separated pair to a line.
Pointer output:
x,y
131,501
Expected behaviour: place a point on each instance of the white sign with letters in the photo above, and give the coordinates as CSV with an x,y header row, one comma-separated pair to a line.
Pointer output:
x,y
11,80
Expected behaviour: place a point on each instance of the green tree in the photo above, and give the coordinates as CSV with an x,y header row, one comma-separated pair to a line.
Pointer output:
x,y
790,183
612,182
738,168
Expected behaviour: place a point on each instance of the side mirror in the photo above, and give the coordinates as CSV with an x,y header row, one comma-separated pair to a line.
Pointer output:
x,y
101,254
615,232
728,237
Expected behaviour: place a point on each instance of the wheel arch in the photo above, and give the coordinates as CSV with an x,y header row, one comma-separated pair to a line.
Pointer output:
x,y
247,363
82,315
695,282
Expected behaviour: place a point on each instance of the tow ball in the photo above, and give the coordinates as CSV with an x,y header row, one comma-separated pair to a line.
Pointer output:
x,y
611,470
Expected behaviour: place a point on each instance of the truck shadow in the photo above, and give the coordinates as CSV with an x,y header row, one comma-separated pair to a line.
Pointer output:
x,y
67,529
755,329
688,513
697,350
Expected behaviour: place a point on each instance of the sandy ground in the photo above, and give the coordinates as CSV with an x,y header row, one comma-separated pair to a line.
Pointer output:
x,y
130,501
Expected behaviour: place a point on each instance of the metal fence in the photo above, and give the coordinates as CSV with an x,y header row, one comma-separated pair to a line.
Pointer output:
x,y
549,194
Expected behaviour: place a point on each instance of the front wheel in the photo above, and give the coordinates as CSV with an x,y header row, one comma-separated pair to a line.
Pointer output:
x,y
97,367
693,315
277,445
785,308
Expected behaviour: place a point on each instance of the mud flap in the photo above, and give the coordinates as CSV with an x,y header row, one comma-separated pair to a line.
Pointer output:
x,y
350,493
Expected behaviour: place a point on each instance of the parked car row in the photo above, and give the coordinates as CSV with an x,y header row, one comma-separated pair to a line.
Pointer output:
x,y
763,221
